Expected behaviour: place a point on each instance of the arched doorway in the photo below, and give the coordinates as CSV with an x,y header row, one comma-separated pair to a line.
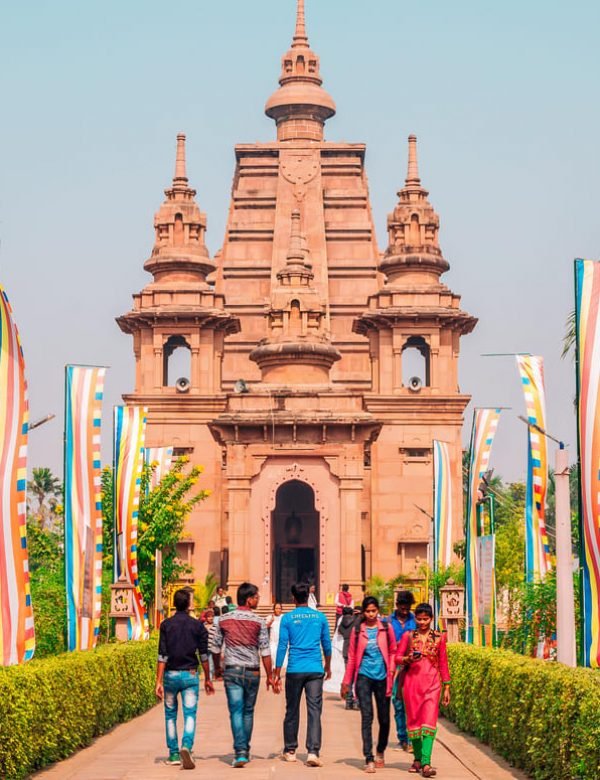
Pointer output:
x,y
295,524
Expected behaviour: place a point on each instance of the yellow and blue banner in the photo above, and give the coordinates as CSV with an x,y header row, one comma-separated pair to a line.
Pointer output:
x,y
485,423
84,389
129,453
587,331
538,560
17,636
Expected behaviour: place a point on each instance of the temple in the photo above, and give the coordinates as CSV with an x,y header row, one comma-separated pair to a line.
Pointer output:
x,y
306,370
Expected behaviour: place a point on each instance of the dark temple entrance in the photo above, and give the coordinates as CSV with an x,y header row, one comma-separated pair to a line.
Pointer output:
x,y
295,524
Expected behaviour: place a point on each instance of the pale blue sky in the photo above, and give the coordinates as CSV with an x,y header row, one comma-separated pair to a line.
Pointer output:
x,y
503,97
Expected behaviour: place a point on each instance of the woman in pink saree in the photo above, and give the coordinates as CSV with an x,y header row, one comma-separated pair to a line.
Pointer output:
x,y
423,663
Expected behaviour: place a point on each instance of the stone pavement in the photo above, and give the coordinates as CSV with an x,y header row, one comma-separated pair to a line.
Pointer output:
x,y
135,750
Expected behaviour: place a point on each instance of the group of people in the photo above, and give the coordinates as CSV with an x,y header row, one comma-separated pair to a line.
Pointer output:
x,y
400,658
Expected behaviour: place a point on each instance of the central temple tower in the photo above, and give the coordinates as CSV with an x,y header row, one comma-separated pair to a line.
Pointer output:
x,y
321,370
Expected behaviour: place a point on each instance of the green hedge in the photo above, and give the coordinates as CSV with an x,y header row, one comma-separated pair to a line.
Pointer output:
x,y
51,707
541,716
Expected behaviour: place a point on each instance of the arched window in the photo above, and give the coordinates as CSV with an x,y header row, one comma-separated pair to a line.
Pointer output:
x,y
178,230
177,361
295,317
415,231
415,361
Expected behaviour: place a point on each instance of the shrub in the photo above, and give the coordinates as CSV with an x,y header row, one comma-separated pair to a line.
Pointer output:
x,y
50,708
541,716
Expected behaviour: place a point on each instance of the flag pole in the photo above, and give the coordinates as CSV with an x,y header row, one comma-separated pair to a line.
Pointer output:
x,y
581,658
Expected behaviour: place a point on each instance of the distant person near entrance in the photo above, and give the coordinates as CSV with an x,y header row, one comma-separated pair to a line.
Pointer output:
x,y
401,620
246,641
306,633
221,597
343,599
182,639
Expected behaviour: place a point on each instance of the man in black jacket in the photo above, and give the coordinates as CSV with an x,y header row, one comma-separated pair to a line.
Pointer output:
x,y
182,639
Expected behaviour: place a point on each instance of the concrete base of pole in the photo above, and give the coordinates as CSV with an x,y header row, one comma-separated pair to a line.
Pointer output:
x,y
565,602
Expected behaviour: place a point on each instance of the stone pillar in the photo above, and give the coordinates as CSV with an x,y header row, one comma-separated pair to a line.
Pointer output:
x,y
238,503
350,537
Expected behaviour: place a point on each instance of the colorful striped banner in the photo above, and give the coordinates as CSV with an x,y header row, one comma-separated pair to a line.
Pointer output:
x,y
84,388
162,456
442,505
538,561
17,636
130,430
587,302
485,423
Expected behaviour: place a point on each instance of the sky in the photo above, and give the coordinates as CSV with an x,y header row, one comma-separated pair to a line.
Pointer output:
x,y
502,96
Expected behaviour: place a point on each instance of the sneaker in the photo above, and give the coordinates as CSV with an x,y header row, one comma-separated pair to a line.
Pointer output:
x,y
370,767
379,761
313,760
239,762
186,759
173,760
289,756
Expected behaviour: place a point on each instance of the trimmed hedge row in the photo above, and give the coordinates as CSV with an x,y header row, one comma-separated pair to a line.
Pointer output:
x,y
51,707
542,717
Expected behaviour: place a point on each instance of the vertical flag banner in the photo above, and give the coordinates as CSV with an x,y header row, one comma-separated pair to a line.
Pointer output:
x,y
84,388
442,505
162,456
485,423
17,638
587,302
129,432
538,561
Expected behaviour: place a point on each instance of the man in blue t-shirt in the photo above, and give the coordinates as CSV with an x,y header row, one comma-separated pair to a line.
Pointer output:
x,y
304,633
402,620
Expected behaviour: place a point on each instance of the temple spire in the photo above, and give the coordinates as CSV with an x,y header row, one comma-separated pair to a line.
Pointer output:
x,y
180,179
300,37
412,174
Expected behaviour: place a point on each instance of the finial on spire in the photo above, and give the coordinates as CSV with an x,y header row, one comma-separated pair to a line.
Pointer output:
x,y
300,37
412,175
180,177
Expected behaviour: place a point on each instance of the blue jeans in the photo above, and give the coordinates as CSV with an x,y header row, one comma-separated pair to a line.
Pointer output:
x,y
399,714
241,689
185,683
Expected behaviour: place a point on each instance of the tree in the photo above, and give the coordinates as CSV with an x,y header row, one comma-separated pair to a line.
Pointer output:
x,y
162,513
48,591
47,489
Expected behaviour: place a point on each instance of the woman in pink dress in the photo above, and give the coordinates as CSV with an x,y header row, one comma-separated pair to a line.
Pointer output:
x,y
423,660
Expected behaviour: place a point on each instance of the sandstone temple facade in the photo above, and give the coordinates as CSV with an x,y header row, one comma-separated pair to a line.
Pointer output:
x,y
316,369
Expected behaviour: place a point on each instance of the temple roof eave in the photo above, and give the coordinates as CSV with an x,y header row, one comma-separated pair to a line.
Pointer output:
x,y
379,319
214,319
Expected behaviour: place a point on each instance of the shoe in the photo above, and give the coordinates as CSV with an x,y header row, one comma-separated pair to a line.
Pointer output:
x,y
239,762
370,767
348,705
186,759
356,704
313,760
403,746
173,760
379,761
289,756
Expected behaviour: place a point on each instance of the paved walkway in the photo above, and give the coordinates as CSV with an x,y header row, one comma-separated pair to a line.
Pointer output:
x,y
136,750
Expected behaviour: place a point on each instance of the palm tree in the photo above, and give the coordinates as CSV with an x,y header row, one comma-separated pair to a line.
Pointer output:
x,y
47,489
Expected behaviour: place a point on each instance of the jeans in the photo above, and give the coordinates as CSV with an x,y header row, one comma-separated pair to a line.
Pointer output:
x,y
399,714
312,685
366,688
241,689
185,683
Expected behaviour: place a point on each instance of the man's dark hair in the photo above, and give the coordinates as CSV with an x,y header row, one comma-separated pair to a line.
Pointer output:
x,y
246,591
181,600
345,588
424,609
405,597
217,612
300,592
347,611
220,587
228,600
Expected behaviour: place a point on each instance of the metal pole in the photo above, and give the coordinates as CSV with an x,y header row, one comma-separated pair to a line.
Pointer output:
x,y
565,602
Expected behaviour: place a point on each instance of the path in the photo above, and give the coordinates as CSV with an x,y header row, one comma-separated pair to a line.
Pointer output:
x,y
135,750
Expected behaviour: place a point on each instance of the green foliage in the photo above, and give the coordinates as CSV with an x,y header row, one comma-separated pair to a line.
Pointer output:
x,y
46,489
48,592
384,590
204,591
53,707
437,579
541,716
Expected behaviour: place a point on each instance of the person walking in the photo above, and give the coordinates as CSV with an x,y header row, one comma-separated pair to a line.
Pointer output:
x,y
273,624
304,634
401,620
371,667
182,638
343,599
246,640
211,623
344,629
423,654
312,597
221,597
